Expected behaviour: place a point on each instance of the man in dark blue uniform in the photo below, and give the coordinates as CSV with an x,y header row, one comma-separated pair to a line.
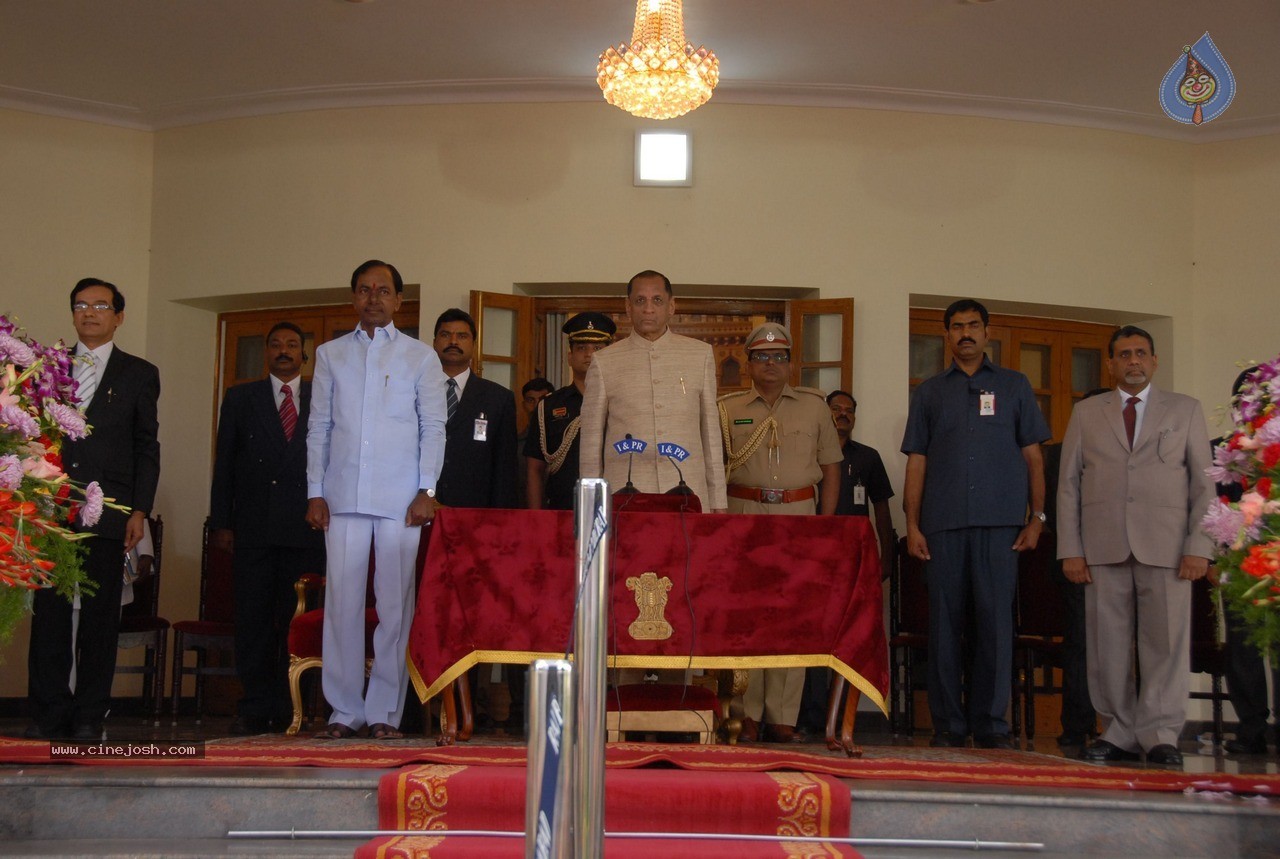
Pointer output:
x,y
973,465
551,447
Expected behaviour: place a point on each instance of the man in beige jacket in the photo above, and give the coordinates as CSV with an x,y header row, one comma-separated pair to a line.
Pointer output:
x,y
655,386
1132,490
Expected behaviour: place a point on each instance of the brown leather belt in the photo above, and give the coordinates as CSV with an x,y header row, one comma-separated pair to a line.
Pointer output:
x,y
770,496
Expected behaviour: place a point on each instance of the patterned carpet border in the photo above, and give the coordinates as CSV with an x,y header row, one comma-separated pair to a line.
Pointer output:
x,y
959,766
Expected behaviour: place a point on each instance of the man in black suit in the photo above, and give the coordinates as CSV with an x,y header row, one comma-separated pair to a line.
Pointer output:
x,y
479,459
480,436
258,510
119,395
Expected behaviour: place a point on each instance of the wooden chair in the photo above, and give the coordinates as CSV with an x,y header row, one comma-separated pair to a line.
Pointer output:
x,y
214,630
662,707
1208,652
1040,626
908,632
142,626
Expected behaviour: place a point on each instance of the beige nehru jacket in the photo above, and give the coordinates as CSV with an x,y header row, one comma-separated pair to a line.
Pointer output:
x,y
659,391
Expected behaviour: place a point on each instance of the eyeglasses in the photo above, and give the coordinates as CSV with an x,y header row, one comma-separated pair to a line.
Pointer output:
x,y
81,306
766,357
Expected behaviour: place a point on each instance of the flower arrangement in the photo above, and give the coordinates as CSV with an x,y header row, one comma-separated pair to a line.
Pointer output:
x,y
1247,530
39,504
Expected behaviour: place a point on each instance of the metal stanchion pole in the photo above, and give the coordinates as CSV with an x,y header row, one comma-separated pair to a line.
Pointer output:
x,y
591,526
549,797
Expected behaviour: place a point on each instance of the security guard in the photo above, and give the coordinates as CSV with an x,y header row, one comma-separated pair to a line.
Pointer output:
x,y
779,443
551,446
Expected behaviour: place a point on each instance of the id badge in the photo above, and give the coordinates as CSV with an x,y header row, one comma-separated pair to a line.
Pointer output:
x,y
987,405
482,430
859,494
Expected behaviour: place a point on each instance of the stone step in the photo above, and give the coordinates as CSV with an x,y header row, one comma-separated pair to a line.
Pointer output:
x,y
169,811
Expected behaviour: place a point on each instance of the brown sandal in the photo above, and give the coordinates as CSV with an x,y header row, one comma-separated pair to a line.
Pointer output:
x,y
383,731
336,731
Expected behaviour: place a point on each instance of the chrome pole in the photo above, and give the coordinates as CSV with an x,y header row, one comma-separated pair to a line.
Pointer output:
x,y
549,795
591,527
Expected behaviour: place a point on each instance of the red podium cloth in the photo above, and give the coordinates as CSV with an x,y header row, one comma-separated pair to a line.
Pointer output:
x,y
746,592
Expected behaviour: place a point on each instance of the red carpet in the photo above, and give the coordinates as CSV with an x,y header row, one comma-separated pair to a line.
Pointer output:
x,y
789,804
960,766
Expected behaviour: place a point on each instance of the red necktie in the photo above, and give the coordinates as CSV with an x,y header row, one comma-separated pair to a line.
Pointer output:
x,y
289,413
1130,417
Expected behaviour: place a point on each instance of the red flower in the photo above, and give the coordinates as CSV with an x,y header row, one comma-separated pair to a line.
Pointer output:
x,y
1271,456
1264,487
1263,561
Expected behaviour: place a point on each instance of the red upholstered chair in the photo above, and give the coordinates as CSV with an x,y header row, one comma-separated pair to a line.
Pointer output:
x,y
306,636
142,626
666,707
213,631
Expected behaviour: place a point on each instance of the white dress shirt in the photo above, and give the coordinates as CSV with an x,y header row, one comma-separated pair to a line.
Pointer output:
x,y
100,357
294,385
1140,408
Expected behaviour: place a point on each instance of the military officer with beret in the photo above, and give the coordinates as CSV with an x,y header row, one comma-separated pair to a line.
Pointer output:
x,y
780,442
551,445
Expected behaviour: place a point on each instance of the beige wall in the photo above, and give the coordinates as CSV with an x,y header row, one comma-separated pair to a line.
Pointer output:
x,y
870,204
77,203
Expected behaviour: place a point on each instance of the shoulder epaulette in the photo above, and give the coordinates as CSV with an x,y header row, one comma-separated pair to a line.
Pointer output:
x,y
731,395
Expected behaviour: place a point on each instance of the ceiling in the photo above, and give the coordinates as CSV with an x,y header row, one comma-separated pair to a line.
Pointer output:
x,y
153,64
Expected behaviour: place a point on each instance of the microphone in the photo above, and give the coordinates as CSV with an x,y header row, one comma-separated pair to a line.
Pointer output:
x,y
630,446
677,455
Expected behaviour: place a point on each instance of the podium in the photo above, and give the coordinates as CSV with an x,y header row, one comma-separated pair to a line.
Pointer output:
x,y
688,591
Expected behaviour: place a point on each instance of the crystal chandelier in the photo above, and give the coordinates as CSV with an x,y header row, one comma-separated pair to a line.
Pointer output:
x,y
659,75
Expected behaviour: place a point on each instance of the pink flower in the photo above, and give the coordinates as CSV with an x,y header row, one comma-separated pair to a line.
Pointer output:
x,y
13,349
10,472
68,419
92,510
17,419
41,468
1223,523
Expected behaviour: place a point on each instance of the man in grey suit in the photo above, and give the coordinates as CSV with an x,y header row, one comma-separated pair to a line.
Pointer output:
x,y
1131,492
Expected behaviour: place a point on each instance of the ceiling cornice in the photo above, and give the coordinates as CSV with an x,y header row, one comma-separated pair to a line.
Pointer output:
x,y
549,90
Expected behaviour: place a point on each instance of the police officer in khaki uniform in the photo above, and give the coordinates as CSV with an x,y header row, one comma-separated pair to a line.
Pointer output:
x,y
780,442
551,448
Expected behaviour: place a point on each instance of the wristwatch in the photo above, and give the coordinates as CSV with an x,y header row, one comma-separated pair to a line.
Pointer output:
x,y
1039,514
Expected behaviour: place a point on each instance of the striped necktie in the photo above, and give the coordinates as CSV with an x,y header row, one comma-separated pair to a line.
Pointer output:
x,y
451,399
288,413
86,378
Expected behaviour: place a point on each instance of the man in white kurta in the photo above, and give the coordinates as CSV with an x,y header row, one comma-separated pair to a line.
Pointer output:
x,y
375,445
658,387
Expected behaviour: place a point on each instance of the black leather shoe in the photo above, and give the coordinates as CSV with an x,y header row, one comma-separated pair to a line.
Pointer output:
x,y
993,741
947,740
87,733
244,727
1101,750
1255,746
1164,755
